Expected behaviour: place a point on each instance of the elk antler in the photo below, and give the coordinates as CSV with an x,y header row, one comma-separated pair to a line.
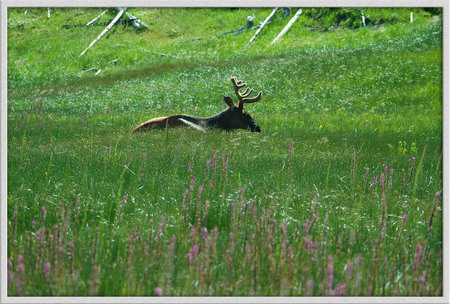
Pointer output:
x,y
237,84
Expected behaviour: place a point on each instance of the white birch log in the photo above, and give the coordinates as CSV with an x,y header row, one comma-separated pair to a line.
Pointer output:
x,y
263,24
95,19
287,27
105,30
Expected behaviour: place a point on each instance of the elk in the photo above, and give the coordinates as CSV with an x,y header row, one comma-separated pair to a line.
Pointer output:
x,y
234,117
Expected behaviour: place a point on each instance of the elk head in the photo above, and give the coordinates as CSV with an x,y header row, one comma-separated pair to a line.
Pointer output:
x,y
236,117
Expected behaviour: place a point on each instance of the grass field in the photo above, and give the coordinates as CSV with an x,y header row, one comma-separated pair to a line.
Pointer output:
x,y
340,194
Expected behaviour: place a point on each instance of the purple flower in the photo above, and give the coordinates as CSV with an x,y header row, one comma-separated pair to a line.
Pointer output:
x,y
189,257
195,251
225,164
47,269
125,198
349,271
405,217
21,269
367,176
192,231
192,183
33,222
305,226
418,258
308,243
375,181
39,233
214,162
215,231
438,194
206,203
43,211
341,289
20,258
284,227
185,194
200,191
158,291
330,270
241,191
173,239
204,232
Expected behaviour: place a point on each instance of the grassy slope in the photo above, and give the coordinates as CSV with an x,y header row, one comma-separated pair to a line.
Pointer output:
x,y
348,99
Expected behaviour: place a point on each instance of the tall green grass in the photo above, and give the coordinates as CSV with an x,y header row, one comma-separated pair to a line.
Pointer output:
x,y
340,194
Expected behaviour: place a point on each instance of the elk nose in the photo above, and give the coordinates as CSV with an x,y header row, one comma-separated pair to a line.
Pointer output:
x,y
257,129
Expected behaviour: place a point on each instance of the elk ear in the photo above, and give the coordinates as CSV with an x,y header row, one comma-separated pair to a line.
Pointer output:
x,y
228,101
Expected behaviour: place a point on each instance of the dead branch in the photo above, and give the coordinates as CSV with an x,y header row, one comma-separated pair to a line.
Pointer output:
x,y
263,24
287,27
96,18
122,10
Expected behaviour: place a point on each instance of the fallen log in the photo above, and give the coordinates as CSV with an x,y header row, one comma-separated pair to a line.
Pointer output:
x,y
96,18
122,10
287,27
262,25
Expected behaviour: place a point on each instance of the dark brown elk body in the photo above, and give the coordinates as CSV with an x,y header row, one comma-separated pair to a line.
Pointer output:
x,y
234,117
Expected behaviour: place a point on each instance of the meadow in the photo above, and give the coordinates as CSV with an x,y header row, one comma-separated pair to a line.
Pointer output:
x,y
339,195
